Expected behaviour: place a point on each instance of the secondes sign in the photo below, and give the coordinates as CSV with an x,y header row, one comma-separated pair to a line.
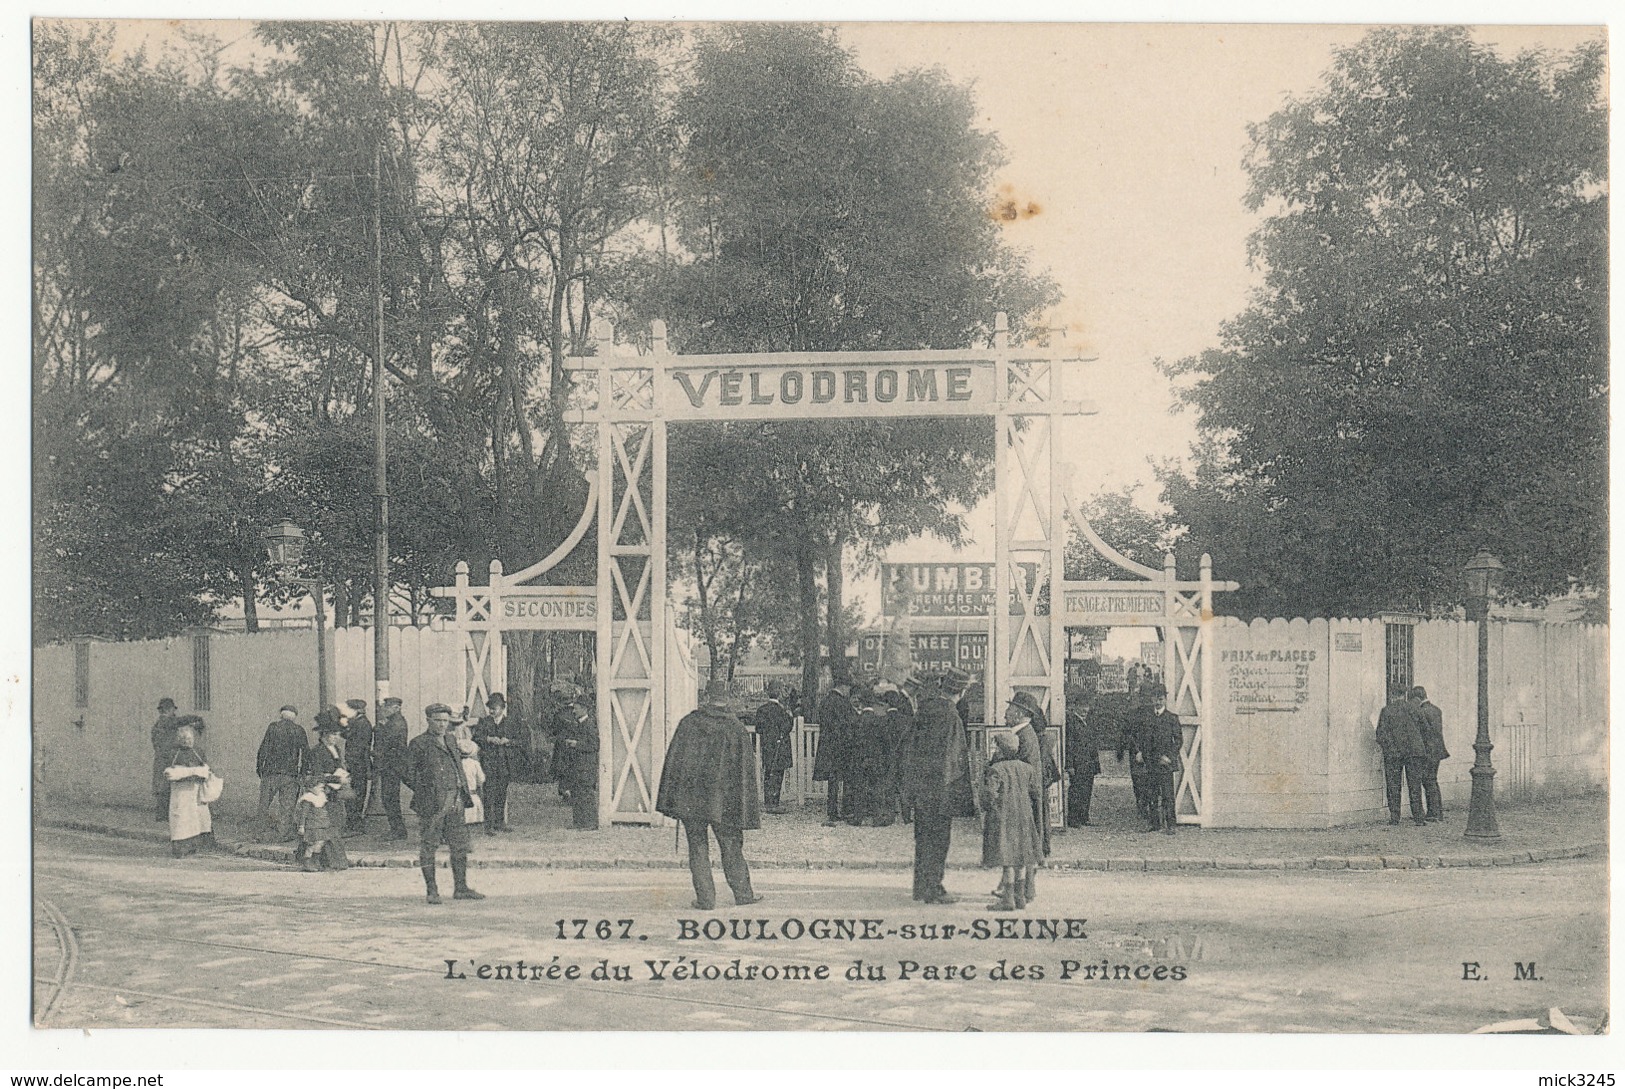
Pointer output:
x,y
930,390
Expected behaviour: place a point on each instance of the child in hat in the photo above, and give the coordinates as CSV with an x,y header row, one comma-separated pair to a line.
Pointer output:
x,y
1010,836
312,820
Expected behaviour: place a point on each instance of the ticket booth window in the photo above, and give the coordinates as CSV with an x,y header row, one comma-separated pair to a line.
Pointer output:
x,y
1401,654
200,673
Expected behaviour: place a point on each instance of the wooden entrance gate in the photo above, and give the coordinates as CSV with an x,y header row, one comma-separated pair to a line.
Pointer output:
x,y
631,398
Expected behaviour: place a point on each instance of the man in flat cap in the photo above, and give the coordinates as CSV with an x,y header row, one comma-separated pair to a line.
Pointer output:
x,y
709,784
937,782
278,763
439,796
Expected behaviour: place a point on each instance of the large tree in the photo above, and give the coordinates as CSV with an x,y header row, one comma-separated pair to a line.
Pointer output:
x,y
827,211
1424,371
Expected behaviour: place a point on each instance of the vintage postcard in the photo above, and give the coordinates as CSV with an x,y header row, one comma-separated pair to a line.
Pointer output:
x,y
805,527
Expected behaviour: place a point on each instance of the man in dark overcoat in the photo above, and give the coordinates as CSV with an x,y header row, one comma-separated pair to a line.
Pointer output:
x,y
1434,752
577,737
389,754
501,746
869,762
938,783
439,796
1399,735
359,758
1131,711
1159,739
773,729
1082,756
163,747
837,730
709,784
279,762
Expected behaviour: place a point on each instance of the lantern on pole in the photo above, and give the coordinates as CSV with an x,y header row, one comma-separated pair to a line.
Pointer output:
x,y
1483,575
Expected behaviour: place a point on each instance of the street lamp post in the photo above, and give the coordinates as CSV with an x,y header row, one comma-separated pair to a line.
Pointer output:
x,y
1483,576
285,545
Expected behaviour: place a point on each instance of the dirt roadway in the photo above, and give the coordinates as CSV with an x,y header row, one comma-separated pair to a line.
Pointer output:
x,y
126,937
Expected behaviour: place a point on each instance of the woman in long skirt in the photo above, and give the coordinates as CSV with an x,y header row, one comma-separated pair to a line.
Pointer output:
x,y
191,825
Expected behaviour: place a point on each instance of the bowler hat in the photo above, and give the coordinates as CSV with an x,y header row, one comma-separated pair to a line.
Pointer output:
x,y
1027,702
166,702
496,699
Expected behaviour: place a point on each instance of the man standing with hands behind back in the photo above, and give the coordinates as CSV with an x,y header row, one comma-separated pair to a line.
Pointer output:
x,y
1399,735
937,782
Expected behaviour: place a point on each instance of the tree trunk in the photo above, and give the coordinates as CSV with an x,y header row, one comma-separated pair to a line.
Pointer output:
x,y
834,605
341,604
737,647
807,585
251,605
707,622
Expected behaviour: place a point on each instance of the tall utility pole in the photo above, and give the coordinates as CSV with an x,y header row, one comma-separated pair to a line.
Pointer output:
x,y
380,476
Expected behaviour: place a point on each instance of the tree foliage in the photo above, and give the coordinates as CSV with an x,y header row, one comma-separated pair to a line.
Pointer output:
x,y
828,211
1424,371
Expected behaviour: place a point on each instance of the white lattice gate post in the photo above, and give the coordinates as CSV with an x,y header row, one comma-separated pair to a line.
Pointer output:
x,y
631,580
1029,533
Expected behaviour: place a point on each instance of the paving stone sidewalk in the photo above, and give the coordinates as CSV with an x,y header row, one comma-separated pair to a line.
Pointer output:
x,y
542,838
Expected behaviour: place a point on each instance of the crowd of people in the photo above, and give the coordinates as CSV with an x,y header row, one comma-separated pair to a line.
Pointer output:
x,y
888,753
317,785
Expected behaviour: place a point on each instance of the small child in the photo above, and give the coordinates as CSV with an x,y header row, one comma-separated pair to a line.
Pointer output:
x,y
475,775
312,821
1010,837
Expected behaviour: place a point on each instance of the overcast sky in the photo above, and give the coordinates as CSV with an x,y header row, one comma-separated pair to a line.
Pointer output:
x,y
1130,138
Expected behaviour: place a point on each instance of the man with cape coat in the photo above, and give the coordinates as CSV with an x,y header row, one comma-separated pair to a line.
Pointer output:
x,y
709,784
